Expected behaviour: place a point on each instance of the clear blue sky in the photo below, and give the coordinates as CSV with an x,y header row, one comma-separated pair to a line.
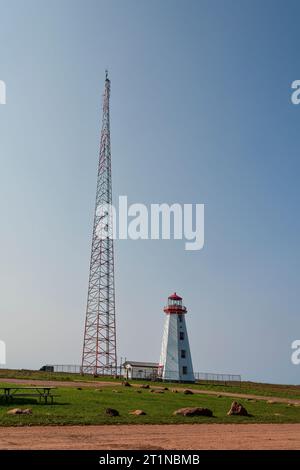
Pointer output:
x,y
200,113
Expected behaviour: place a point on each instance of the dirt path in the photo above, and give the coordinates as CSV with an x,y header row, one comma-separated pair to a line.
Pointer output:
x,y
57,383
156,437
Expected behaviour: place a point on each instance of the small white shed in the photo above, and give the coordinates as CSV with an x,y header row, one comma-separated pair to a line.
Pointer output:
x,y
140,370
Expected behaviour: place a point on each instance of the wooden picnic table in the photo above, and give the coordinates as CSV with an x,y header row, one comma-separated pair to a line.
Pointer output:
x,y
11,392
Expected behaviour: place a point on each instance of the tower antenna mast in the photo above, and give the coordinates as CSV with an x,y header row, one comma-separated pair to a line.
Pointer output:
x,y
99,345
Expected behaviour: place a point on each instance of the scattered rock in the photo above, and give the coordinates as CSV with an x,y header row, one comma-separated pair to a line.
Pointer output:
x,y
14,411
19,411
79,388
158,391
116,391
174,390
126,384
219,396
137,412
139,391
193,412
237,409
188,392
111,412
271,402
145,386
166,388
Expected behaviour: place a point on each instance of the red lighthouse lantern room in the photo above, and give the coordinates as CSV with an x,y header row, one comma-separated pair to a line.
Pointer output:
x,y
175,305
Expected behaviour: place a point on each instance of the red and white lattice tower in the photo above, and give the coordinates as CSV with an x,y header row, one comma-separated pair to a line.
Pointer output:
x,y
99,348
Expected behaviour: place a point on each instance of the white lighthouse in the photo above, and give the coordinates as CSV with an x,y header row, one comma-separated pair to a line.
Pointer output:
x,y
175,359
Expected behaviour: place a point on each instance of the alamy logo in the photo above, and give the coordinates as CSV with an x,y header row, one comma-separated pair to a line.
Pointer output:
x,y
2,353
295,357
2,92
156,221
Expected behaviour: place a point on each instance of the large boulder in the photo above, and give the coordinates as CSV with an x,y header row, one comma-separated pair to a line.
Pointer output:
x,y
111,412
137,412
19,411
188,392
145,386
237,409
126,384
15,411
193,411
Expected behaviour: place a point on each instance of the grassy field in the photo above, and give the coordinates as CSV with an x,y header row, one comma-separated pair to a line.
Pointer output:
x,y
252,388
87,406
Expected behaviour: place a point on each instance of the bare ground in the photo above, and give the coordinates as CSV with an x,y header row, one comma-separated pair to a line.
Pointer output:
x,y
156,437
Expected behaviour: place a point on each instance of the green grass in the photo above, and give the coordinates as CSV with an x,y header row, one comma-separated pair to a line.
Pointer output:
x,y
251,388
87,406
58,376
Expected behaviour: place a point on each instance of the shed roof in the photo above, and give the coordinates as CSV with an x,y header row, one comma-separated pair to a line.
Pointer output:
x,y
141,364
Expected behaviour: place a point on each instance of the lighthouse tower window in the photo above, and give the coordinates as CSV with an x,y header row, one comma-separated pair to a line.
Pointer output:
x,y
181,335
184,370
183,353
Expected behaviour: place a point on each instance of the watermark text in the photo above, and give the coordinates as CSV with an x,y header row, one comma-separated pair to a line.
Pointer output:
x,y
2,353
153,222
295,357
2,92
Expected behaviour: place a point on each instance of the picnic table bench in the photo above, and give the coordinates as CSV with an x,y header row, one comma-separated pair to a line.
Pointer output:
x,y
41,392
